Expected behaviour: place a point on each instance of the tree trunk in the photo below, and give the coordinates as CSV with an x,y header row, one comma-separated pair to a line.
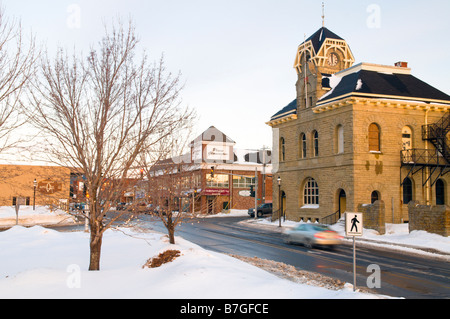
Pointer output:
x,y
95,245
171,234
170,226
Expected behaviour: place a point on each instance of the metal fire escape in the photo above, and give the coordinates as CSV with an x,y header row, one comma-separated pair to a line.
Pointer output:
x,y
436,159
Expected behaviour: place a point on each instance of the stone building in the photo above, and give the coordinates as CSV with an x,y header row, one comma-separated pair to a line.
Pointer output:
x,y
356,134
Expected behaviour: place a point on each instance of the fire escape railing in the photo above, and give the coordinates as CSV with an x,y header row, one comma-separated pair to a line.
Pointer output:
x,y
436,133
434,158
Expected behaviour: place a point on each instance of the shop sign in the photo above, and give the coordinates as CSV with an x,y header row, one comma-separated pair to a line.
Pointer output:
x,y
245,193
48,187
218,152
216,192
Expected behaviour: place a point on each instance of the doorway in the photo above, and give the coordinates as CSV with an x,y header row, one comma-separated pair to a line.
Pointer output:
x,y
342,202
210,204
283,205
407,143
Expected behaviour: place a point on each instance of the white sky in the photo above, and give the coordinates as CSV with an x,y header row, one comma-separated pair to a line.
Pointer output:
x,y
237,56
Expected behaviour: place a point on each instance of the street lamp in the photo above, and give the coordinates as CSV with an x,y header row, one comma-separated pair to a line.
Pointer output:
x,y
34,194
279,200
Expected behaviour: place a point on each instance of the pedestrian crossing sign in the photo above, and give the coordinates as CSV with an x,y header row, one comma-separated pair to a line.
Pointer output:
x,y
353,224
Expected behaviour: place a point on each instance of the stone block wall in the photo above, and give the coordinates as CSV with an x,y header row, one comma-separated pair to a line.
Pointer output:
x,y
433,219
374,216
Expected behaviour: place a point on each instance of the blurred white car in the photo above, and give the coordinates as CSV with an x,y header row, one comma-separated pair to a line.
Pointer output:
x,y
312,235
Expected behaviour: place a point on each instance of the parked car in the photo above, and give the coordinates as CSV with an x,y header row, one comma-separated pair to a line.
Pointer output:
x,y
121,206
312,235
263,209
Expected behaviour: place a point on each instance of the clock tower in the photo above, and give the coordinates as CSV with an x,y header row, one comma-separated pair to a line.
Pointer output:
x,y
318,57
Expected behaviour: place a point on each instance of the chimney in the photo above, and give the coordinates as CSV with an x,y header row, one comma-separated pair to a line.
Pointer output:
x,y
401,64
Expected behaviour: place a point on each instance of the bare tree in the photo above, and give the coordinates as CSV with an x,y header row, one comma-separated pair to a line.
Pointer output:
x,y
171,178
99,113
17,65
173,188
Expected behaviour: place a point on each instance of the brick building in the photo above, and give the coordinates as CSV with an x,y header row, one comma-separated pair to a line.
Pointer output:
x,y
356,134
28,185
214,175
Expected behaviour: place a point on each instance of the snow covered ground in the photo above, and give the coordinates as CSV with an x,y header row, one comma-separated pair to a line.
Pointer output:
x,y
41,263
41,215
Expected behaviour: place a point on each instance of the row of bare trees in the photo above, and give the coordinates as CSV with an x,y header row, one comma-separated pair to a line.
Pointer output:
x,y
106,113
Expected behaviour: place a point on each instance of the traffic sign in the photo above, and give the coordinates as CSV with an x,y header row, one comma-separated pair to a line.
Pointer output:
x,y
353,228
353,224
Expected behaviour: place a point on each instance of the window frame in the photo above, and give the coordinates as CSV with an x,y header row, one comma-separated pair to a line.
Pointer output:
x,y
315,137
407,191
243,181
374,138
340,139
441,192
282,156
218,181
303,145
311,192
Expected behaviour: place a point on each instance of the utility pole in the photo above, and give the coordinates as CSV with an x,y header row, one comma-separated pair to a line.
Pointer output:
x,y
256,192
264,175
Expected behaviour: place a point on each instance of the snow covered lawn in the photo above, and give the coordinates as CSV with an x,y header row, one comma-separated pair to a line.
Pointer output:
x,y
42,263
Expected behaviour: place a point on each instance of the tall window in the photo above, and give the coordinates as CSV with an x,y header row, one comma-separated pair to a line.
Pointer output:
x,y
440,192
407,190
303,145
311,192
282,150
374,138
340,139
316,143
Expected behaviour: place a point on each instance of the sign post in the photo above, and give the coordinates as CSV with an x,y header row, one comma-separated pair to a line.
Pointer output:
x,y
354,227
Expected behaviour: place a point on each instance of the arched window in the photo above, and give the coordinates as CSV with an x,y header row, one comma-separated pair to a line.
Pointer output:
x,y
311,192
374,138
316,143
440,192
406,138
302,145
282,150
407,190
374,197
340,139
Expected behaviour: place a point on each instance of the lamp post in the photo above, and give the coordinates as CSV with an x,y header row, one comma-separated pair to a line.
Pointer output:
x,y
34,194
279,200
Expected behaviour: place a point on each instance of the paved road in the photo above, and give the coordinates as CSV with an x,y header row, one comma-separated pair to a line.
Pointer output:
x,y
402,275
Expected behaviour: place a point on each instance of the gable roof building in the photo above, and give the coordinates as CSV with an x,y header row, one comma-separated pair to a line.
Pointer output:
x,y
215,175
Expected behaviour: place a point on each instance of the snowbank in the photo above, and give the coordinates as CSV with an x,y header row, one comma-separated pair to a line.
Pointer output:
x,y
43,263
42,215
228,213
